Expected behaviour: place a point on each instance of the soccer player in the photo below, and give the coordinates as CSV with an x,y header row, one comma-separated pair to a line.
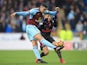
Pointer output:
x,y
33,32
46,27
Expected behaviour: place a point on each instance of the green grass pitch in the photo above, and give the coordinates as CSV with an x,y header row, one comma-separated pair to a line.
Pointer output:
x,y
28,58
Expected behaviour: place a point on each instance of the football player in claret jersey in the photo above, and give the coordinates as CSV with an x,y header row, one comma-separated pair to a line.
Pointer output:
x,y
46,27
33,32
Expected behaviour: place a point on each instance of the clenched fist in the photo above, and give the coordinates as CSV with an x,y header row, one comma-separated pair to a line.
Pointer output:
x,y
57,9
13,14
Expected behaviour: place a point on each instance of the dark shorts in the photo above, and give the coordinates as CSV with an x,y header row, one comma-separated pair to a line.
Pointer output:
x,y
48,38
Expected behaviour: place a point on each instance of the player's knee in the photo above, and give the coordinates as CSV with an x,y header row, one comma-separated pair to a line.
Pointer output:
x,y
34,43
38,36
46,52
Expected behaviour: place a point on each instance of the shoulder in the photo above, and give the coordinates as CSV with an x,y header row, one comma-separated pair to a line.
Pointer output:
x,y
34,10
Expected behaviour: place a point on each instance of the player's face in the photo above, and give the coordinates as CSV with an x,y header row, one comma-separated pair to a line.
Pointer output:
x,y
47,16
43,9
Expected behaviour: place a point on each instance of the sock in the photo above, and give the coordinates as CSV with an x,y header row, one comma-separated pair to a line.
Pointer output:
x,y
36,52
42,54
59,54
47,43
61,47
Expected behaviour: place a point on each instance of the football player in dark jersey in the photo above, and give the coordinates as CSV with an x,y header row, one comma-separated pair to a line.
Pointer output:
x,y
46,27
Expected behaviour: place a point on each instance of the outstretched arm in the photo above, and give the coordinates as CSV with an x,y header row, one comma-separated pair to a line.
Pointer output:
x,y
53,13
23,13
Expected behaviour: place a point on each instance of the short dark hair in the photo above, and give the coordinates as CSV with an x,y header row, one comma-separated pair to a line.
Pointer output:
x,y
43,4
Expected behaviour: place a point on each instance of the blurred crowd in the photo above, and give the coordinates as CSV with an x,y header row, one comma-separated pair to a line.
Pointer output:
x,y
74,13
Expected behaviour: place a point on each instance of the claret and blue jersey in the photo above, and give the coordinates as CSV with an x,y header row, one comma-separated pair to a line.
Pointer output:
x,y
35,14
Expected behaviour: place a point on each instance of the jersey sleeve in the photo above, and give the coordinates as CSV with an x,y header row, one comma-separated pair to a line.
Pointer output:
x,y
33,11
55,24
23,13
51,12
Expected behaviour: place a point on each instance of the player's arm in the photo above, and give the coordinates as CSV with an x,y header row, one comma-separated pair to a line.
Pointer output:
x,y
55,21
59,14
53,13
23,13
57,17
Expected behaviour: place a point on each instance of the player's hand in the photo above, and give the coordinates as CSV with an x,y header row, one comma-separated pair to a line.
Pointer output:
x,y
13,14
57,9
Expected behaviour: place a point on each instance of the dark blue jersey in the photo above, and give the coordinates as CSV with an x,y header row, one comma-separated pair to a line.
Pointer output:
x,y
46,26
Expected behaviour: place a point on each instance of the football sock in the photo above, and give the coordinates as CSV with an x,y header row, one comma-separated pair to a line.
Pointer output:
x,y
47,43
59,54
36,52
42,54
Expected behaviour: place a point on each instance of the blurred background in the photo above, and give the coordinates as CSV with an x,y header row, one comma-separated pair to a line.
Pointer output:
x,y
72,26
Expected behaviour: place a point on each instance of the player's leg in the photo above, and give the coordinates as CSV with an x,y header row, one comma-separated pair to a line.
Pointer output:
x,y
36,52
44,41
50,39
40,38
35,49
30,32
60,54
44,49
34,33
